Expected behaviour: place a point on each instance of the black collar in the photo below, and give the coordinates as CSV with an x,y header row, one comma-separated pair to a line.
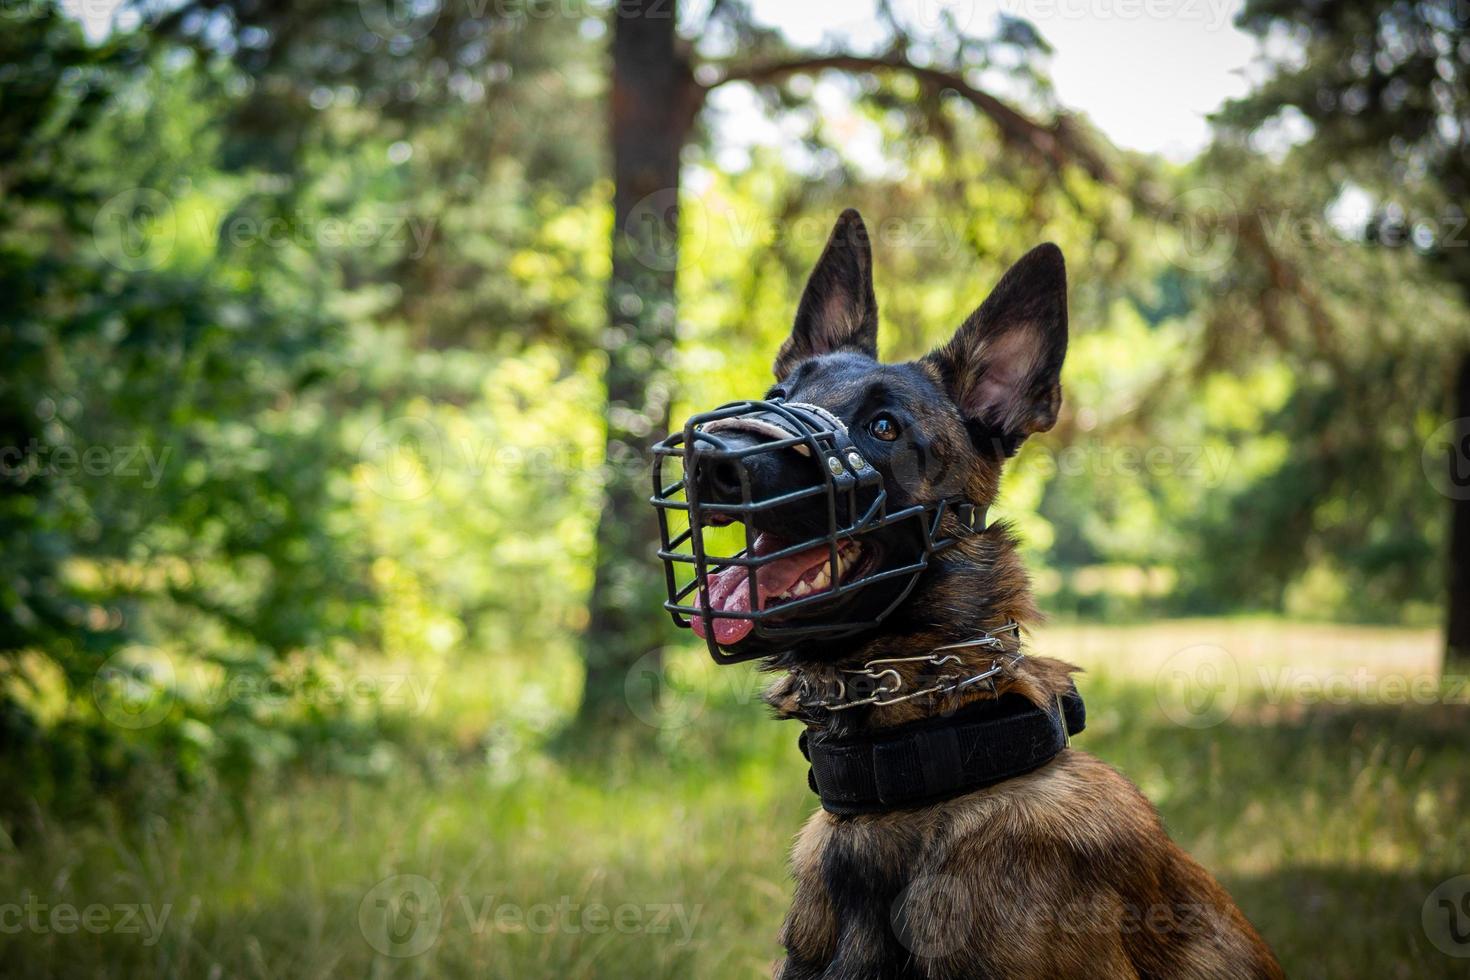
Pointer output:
x,y
934,759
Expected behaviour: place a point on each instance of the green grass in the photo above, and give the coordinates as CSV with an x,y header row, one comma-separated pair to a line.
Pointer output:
x,y
1330,823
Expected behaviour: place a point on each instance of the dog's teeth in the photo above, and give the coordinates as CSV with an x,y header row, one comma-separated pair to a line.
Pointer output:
x,y
800,590
846,554
822,579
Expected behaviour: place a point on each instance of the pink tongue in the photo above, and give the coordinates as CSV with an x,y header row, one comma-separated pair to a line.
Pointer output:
x,y
729,589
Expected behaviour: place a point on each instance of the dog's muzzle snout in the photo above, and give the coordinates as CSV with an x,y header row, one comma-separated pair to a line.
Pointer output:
x,y
765,456
809,504
722,477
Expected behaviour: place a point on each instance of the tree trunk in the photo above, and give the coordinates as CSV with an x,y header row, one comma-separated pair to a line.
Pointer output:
x,y
649,120
1457,627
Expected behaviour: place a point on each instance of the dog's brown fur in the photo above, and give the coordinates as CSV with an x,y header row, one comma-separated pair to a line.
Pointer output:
x,y
1063,872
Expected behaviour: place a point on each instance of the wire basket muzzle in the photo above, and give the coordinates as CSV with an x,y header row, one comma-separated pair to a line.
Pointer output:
x,y
786,472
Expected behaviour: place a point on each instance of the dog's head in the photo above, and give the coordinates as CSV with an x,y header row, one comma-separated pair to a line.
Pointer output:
x,y
936,431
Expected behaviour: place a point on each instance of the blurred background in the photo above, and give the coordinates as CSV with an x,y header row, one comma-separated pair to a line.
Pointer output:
x,y
335,333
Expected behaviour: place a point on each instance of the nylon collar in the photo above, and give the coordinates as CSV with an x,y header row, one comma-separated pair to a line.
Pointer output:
x,y
936,759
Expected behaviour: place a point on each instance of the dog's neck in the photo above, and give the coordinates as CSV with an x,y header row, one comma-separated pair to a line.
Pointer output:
x,y
980,587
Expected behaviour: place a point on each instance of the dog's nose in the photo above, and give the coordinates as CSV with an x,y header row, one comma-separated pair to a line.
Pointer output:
x,y
724,481
717,477
770,482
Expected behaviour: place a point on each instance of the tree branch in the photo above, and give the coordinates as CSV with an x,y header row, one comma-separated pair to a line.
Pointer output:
x,y
1057,144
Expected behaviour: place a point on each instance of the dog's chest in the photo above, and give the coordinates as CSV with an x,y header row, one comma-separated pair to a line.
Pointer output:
x,y
873,901
973,887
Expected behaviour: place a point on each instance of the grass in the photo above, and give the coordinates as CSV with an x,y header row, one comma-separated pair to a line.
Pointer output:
x,y
1331,820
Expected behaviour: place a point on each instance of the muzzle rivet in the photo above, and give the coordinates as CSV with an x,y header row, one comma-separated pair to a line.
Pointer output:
x,y
835,465
856,461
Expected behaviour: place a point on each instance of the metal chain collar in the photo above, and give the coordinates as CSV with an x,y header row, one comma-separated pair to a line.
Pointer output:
x,y
887,683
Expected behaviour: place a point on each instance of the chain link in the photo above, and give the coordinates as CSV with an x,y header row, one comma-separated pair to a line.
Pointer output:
x,y
888,683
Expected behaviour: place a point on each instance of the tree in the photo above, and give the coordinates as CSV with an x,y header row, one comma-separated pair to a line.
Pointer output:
x,y
131,348
440,65
46,116
655,99
497,103
649,123
1381,91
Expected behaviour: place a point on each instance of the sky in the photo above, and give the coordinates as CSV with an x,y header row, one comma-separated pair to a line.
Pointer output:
x,y
1145,71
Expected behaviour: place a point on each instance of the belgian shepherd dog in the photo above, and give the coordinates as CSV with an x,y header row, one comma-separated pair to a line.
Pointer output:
x,y
1061,869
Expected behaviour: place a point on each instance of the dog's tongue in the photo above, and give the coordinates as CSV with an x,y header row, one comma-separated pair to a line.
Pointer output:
x,y
729,589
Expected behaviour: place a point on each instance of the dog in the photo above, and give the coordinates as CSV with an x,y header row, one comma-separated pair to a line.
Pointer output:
x,y
961,835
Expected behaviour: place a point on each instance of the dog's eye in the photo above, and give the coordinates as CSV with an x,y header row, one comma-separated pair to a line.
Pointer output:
x,y
776,395
883,427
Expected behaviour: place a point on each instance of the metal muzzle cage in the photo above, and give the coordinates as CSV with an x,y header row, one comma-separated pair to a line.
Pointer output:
x,y
844,502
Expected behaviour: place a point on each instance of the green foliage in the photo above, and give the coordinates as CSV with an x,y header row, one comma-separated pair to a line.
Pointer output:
x,y
326,309
1353,813
1357,226
251,455
303,415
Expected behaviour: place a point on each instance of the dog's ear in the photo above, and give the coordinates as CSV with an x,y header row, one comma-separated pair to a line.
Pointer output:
x,y
1003,366
837,310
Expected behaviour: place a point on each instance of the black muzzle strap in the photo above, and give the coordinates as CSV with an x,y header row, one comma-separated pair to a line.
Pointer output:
x,y
936,759
777,427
